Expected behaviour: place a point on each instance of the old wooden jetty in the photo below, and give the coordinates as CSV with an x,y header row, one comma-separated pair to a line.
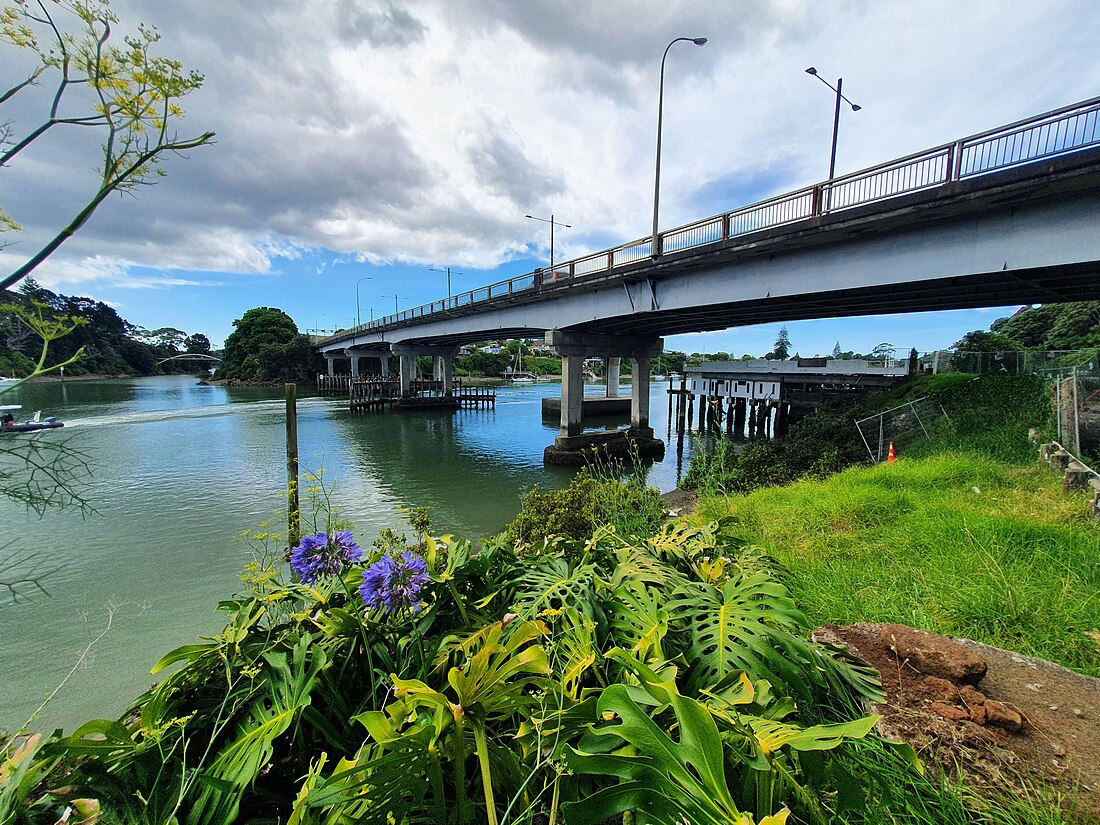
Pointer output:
x,y
379,393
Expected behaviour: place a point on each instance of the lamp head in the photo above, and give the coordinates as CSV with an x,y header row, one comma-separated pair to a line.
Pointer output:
x,y
856,107
811,70
699,41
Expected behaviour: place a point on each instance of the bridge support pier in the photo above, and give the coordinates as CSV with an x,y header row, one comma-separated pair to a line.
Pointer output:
x,y
574,446
330,362
611,371
356,354
442,370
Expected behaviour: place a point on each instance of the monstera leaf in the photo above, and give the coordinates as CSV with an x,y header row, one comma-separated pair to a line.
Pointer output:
x,y
661,779
639,621
748,624
554,584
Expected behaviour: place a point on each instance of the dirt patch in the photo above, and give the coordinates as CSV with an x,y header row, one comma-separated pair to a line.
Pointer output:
x,y
1026,721
679,502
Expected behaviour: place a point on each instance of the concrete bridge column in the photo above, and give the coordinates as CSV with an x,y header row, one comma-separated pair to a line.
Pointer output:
x,y
572,394
639,398
611,370
384,361
570,447
447,363
354,365
437,368
330,360
408,367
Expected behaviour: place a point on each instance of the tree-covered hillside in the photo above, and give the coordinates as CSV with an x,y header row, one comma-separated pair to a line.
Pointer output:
x,y
112,345
1070,326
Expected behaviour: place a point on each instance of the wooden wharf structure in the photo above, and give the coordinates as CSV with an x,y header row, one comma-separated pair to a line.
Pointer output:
x,y
760,398
337,384
377,393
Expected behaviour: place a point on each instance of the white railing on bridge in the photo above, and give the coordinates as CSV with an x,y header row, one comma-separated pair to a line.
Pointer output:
x,y
1069,129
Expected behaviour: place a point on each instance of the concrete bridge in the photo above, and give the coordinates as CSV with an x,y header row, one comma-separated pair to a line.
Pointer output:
x,y
1011,215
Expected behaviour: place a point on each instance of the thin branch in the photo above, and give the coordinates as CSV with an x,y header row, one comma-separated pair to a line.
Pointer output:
x,y
30,81
86,213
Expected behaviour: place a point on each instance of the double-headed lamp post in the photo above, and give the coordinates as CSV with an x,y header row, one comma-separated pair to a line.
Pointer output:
x,y
552,223
396,311
358,315
655,250
836,113
448,271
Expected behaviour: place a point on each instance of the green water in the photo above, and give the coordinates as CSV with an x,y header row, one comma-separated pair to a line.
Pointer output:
x,y
181,469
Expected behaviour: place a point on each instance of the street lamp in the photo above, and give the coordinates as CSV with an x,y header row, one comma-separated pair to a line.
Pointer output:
x,y
317,321
448,271
552,223
655,252
836,113
358,315
396,311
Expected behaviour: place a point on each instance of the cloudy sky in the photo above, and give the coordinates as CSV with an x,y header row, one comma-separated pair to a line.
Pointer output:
x,y
360,139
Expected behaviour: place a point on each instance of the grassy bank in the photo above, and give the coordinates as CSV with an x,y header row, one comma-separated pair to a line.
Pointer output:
x,y
958,542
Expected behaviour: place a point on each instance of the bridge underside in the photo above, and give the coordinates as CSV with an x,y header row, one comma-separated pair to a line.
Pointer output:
x,y
1074,282
1009,238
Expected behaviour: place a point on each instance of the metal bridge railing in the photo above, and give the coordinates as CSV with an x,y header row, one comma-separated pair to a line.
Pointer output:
x,y
1062,131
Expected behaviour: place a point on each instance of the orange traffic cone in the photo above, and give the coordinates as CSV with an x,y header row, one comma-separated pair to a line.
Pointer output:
x,y
890,455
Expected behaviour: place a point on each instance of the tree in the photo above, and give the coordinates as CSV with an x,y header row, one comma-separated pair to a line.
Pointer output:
x,y
836,350
979,341
884,351
135,99
782,348
198,344
266,346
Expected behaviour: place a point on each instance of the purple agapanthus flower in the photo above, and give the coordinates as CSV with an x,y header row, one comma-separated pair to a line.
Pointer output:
x,y
394,582
321,554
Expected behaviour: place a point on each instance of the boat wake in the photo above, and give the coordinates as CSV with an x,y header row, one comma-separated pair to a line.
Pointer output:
x,y
186,413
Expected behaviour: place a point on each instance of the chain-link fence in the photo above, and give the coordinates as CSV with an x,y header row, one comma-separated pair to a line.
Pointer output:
x,y
1076,391
901,426
981,363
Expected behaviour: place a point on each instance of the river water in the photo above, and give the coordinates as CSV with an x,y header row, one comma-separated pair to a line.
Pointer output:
x,y
180,470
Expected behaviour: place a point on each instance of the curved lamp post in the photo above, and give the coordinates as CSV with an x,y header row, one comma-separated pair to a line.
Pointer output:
x,y
358,316
836,113
552,223
655,251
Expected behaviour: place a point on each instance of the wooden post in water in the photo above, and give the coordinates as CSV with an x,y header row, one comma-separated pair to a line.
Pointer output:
x,y
293,508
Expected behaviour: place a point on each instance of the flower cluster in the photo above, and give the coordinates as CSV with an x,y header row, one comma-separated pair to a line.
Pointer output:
x,y
394,582
321,554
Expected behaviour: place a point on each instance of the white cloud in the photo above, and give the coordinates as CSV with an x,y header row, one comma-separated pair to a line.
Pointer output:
x,y
388,131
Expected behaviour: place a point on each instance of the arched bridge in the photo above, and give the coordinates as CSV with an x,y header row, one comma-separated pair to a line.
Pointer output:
x,y
1007,216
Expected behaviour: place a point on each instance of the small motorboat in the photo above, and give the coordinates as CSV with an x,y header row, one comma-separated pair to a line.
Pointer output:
x,y
36,422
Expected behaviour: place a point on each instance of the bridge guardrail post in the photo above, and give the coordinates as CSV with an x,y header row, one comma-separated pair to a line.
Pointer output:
x,y
725,228
818,201
954,161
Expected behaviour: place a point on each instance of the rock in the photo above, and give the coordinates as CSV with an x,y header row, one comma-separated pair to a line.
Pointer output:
x,y
971,696
1003,716
978,714
942,688
949,711
934,655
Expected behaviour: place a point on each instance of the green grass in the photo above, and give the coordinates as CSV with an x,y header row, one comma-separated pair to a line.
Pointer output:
x,y
956,543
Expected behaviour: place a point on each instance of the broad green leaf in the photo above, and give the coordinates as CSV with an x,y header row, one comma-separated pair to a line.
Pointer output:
x,y
639,622
551,584
749,624
662,780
